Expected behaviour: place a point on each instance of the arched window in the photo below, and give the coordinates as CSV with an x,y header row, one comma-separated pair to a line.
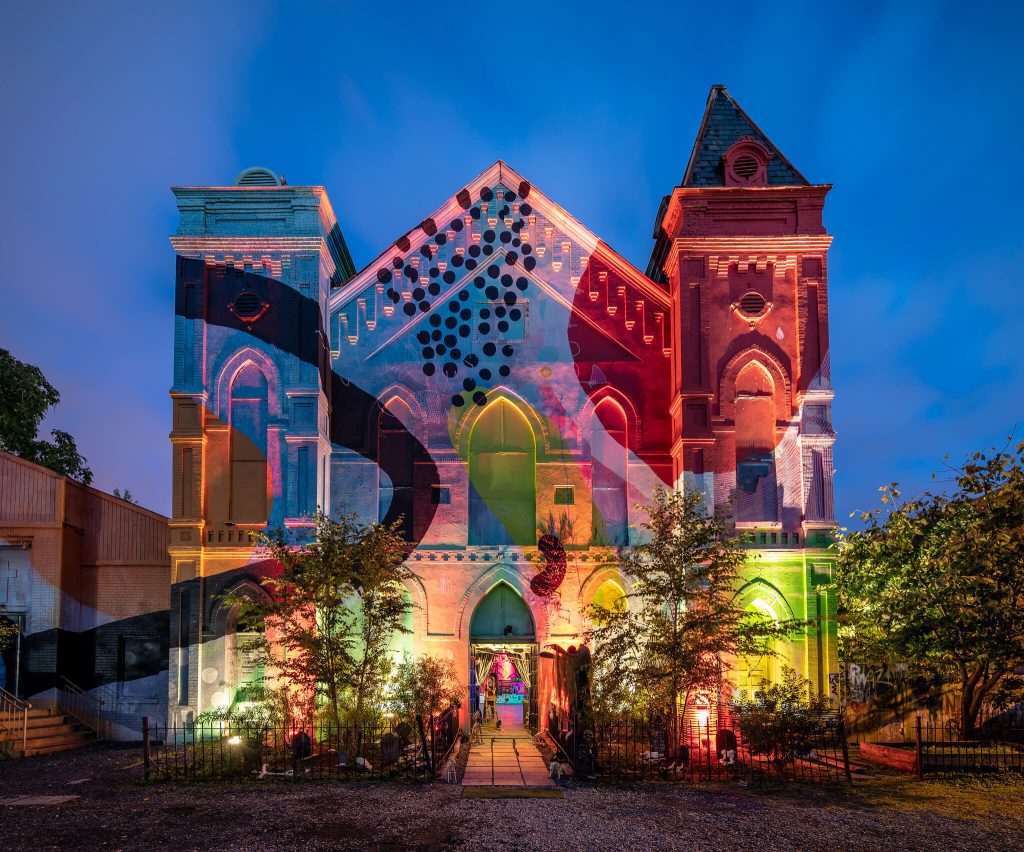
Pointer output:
x,y
611,598
756,668
755,445
503,477
248,420
243,661
395,463
608,451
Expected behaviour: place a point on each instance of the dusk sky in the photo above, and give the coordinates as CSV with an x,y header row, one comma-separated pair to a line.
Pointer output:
x,y
912,110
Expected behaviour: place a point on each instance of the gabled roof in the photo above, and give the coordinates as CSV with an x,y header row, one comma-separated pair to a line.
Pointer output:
x,y
499,173
725,123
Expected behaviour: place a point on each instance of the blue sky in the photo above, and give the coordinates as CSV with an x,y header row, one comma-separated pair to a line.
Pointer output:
x,y
912,110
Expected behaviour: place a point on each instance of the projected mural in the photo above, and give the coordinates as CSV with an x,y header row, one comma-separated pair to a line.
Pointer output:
x,y
510,387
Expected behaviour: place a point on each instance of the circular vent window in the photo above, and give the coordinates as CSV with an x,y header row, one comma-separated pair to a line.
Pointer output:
x,y
746,166
752,304
248,307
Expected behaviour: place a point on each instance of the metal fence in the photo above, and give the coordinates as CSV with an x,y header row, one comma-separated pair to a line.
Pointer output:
x,y
939,750
246,750
719,747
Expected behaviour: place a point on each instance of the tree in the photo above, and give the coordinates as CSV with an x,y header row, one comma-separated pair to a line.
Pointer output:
x,y
125,495
25,397
333,609
683,622
424,686
937,582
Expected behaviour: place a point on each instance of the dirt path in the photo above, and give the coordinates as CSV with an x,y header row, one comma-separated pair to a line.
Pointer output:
x,y
115,811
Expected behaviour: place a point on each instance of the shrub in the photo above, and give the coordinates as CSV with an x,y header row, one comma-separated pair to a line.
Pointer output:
x,y
781,720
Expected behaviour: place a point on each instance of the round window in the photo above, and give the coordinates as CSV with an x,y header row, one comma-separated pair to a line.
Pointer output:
x,y
752,304
248,307
746,166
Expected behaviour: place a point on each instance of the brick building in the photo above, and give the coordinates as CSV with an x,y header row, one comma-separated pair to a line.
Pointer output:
x,y
85,576
495,375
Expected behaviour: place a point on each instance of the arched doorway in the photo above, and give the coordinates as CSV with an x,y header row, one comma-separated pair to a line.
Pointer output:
x,y
503,659
610,597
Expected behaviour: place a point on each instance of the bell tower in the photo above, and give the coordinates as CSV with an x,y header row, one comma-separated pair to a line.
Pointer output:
x,y
742,250
741,246
255,265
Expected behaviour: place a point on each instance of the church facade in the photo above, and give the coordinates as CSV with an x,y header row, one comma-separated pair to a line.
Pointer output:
x,y
513,390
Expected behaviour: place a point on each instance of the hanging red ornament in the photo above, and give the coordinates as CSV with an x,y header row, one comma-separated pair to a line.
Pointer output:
x,y
550,577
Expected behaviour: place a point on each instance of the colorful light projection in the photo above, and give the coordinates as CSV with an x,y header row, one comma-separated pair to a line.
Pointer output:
x,y
478,315
503,668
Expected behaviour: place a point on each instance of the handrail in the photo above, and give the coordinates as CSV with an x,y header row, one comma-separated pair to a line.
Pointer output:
x,y
10,707
76,702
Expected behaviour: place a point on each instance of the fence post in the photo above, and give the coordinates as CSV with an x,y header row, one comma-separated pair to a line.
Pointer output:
x,y
919,763
707,730
146,759
433,743
427,757
846,749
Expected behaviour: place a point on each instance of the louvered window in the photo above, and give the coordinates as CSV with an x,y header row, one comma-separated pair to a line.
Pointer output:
x,y
752,304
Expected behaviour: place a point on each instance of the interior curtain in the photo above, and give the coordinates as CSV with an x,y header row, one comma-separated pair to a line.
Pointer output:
x,y
522,661
484,661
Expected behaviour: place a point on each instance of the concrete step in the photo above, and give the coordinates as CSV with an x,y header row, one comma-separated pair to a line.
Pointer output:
x,y
42,712
51,749
36,726
70,738
56,730
37,722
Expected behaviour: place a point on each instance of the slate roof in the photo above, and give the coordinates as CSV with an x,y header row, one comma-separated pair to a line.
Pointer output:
x,y
724,123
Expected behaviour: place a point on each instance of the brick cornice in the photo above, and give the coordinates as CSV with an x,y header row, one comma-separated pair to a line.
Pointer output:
x,y
726,246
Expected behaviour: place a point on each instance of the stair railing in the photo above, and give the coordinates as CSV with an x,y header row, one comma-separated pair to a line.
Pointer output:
x,y
75,701
14,716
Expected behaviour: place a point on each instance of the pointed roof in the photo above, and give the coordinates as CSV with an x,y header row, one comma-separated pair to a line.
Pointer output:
x,y
498,174
724,124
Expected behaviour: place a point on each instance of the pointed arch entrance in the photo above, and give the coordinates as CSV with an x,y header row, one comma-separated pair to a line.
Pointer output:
x,y
503,659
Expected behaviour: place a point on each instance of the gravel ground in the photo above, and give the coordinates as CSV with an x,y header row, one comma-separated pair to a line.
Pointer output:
x,y
116,811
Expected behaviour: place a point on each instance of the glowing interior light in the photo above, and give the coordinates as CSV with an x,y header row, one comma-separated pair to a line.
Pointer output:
x,y
702,717
235,740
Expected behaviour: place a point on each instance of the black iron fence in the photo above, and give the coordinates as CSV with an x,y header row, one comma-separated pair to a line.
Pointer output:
x,y
247,750
442,734
940,750
715,746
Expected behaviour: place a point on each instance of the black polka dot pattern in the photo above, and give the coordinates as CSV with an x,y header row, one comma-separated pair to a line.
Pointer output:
x,y
456,329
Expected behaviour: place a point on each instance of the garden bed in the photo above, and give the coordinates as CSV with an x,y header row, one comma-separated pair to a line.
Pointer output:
x,y
966,756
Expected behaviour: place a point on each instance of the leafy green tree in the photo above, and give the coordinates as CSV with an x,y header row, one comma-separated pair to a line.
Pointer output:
x,y
25,397
937,582
125,495
424,686
683,623
333,609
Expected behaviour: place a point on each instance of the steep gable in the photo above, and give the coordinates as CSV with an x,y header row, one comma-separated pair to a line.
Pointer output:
x,y
724,124
498,246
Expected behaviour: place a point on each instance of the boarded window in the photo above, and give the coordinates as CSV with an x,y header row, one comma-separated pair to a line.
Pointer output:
x,y
502,473
395,460
249,446
609,454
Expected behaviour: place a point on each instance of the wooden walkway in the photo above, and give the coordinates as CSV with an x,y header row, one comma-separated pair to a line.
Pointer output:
x,y
506,758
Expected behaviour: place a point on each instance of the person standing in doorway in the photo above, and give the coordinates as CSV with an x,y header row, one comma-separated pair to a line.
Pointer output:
x,y
491,703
